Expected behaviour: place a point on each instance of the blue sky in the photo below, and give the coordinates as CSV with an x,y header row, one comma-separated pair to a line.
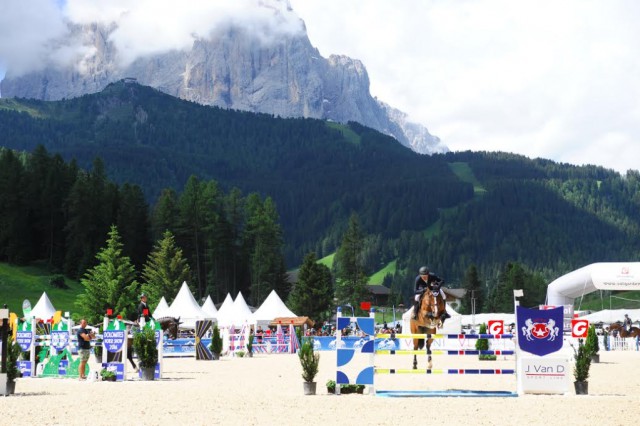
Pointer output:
x,y
549,79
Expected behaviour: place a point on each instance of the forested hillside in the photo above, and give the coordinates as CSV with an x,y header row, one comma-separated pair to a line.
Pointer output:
x,y
309,176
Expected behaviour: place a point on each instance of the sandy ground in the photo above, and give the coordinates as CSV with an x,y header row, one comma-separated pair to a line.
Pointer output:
x,y
267,390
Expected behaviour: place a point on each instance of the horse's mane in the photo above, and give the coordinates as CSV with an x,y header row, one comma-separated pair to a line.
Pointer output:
x,y
163,319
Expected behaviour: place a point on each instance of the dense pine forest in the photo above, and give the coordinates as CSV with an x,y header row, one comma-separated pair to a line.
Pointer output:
x,y
248,196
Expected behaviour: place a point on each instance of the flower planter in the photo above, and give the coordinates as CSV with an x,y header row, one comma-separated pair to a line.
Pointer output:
x,y
148,373
582,388
309,388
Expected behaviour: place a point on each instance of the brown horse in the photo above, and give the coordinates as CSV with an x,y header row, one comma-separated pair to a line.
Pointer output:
x,y
635,331
431,316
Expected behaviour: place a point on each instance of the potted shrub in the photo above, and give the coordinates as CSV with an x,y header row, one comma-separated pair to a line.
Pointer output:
x,y
107,375
592,344
144,343
310,361
250,344
240,354
331,386
581,368
483,345
13,355
216,343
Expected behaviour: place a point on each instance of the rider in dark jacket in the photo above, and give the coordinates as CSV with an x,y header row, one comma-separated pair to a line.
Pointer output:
x,y
426,281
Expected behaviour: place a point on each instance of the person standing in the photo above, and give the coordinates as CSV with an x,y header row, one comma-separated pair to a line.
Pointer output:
x,y
142,308
84,347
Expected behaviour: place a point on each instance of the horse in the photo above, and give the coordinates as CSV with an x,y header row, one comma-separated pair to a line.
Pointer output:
x,y
635,331
168,325
431,316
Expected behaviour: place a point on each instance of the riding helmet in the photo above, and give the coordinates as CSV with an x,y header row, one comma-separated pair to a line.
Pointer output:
x,y
424,270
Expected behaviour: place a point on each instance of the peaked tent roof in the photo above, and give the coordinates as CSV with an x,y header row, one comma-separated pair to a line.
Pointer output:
x,y
227,306
44,308
271,308
162,310
209,308
237,314
186,307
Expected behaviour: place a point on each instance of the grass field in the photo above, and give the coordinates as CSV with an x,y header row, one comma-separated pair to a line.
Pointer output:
x,y
18,283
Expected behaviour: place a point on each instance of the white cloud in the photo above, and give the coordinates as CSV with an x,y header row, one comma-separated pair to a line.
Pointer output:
x,y
30,31
544,79
547,79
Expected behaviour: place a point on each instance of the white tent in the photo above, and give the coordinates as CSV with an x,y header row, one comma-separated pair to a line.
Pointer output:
x,y
225,308
477,319
209,308
597,276
186,307
609,316
272,307
162,310
43,309
236,315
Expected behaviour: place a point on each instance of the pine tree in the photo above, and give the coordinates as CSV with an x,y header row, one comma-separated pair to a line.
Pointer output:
x,y
264,243
312,295
474,296
165,271
110,284
351,280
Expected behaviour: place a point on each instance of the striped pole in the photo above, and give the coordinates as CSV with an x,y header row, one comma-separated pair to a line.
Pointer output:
x,y
455,371
443,352
444,336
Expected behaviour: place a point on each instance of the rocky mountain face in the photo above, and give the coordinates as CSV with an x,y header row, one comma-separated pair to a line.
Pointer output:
x,y
232,69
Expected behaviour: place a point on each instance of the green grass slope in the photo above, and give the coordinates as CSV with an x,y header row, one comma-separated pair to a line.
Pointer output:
x,y
20,283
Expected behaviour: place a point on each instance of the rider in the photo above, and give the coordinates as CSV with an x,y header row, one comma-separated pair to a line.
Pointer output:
x,y
627,323
141,307
424,281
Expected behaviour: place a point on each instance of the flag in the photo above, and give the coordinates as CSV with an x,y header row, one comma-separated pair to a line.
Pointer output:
x,y
537,330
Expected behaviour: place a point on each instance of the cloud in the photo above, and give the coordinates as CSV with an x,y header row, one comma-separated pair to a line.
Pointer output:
x,y
551,79
28,31
144,27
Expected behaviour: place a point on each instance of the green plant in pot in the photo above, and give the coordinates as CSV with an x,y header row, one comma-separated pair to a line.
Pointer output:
x,y
216,343
331,386
483,345
144,343
310,362
581,368
13,355
107,375
250,344
592,344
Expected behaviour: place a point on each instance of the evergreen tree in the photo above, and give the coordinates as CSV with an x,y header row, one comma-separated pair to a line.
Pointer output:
x,y
165,271
351,279
312,295
472,303
14,224
110,284
265,244
191,230
133,224
165,214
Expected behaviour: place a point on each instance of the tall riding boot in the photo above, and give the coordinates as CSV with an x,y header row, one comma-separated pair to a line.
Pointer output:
x,y
416,306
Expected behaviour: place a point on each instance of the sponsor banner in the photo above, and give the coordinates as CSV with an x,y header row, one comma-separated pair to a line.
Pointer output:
x,y
59,340
539,332
25,368
62,367
116,367
24,339
579,328
550,375
495,327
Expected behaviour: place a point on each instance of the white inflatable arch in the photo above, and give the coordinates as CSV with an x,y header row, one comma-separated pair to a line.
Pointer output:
x,y
597,276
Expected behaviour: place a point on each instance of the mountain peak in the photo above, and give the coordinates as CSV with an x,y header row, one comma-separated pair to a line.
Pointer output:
x,y
269,69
